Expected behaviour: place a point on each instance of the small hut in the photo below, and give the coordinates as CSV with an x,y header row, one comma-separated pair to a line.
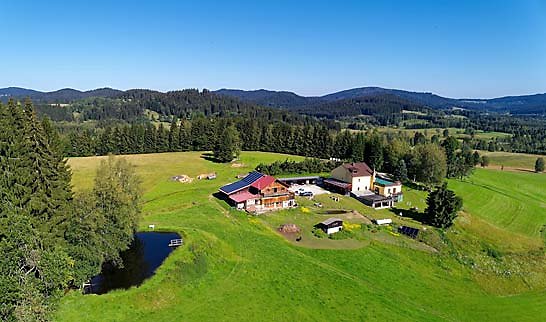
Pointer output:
x,y
330,225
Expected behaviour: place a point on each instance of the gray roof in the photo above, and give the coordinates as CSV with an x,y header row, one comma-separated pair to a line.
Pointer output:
x,y
374,197
300,178
330,220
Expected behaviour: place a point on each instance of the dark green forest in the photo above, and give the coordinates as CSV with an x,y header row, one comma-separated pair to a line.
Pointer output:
x,y
138,108
51,239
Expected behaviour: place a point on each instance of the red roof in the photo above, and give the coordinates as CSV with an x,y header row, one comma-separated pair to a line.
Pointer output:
x,y
359,169
263,182
242,196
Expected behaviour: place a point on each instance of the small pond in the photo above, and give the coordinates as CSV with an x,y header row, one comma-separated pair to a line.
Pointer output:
x,y
146,254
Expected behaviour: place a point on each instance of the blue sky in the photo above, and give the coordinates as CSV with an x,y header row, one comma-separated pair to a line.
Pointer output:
x,y
452,48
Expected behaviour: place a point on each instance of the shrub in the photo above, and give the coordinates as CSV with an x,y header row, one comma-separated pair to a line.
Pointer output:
x,y
343,234
351,227
319,233
492,252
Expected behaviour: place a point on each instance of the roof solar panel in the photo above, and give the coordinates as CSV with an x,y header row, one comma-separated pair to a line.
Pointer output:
x,y
252,177
232,187
245,182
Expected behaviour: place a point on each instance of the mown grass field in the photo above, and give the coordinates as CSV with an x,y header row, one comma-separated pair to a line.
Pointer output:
x,y
512,161
458,133
234,267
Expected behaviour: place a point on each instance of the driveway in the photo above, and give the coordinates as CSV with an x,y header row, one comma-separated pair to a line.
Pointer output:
x,y
316,190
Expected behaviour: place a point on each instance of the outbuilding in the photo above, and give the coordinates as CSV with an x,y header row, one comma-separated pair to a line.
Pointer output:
x,y
330,225
386,221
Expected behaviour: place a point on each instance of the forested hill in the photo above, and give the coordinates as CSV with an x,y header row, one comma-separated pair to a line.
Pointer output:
x,y
382,107
272,98
142,105
64,95
525,104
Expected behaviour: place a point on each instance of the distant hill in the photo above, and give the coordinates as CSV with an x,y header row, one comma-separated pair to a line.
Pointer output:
x,y
292,100
17,92
526,104
271,98
384,108
60,96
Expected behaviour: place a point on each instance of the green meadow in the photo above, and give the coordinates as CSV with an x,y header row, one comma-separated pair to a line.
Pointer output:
x,y
512,161
458,133
236,267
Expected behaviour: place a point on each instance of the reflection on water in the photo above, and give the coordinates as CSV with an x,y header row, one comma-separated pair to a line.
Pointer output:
x,y
147,252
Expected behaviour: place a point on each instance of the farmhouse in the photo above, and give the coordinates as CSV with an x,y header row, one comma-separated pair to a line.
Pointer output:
x,y
365,184
258,193
330,225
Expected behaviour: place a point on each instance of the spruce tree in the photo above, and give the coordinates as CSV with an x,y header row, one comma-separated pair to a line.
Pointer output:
x,y
228,147
174,136
539,165
442,207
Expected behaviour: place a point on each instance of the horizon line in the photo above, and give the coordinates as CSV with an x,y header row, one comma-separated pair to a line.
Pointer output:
x,y
272,90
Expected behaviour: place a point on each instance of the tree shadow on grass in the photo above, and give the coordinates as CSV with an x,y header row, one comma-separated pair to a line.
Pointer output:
x,y
410,213
220,196
417,186
209,156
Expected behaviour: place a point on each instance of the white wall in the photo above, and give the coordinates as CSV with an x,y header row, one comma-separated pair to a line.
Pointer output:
x,y
361,183
333,230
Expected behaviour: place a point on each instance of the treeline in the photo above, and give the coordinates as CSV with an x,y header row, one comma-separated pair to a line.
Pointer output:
x,y
201,134
312,165
50,239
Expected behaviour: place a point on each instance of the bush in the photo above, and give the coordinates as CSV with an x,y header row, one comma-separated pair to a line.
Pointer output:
x,y
343,234
293,167
492,252
319,233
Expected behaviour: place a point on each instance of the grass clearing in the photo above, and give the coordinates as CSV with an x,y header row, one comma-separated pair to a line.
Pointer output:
x,y
514,201
235,267
517,161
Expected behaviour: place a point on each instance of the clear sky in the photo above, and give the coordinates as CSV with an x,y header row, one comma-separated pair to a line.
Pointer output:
x,y
452,48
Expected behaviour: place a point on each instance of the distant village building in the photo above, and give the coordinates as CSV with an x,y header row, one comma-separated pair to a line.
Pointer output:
x,y
365,184
258,193
330,225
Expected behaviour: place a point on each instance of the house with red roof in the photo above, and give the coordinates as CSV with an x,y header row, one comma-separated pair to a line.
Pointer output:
x,y
258,193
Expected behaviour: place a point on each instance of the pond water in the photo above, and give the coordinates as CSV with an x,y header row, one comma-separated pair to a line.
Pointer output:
x,y
146,254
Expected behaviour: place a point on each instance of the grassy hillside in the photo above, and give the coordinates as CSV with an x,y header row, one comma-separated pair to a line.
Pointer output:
x,y
512,160
234,267
515,201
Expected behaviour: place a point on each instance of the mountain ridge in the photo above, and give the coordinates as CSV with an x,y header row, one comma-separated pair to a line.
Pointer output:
x,y
515,104
522,104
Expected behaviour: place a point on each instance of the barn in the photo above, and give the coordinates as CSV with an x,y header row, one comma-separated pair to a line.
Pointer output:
x,y
330,225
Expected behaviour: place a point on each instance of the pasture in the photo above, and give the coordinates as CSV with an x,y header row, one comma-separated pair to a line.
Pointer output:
x,y
512,161
235,267
458,133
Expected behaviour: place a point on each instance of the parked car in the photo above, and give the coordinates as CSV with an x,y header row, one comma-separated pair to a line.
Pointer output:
x,y
306,194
